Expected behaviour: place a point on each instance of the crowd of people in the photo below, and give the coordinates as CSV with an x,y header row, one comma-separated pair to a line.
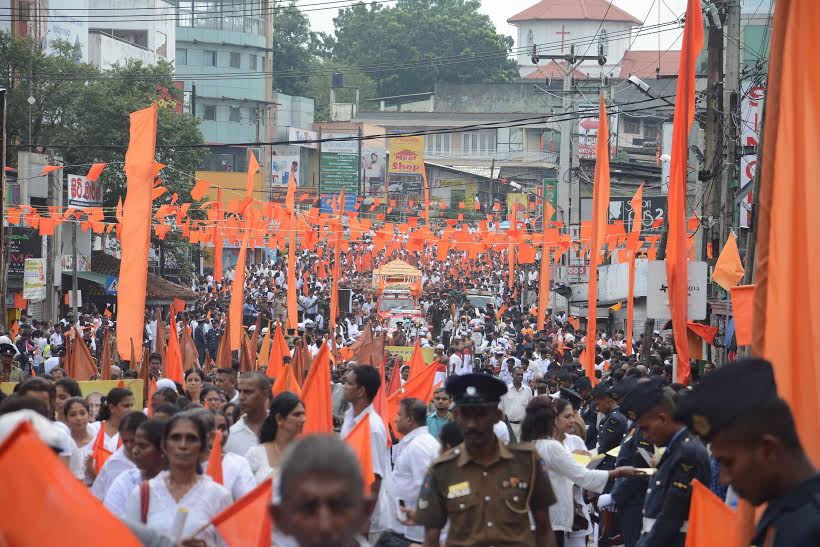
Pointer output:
x,y
518,445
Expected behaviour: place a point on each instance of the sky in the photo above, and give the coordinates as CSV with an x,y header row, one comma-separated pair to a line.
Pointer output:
x,y
500,10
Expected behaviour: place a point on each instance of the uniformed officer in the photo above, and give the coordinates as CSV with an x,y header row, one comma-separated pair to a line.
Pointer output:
x,y
666,507
754,439
588,411
9,371
612,428
484,489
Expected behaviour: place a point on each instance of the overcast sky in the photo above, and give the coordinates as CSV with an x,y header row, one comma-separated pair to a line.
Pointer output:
x,y
500,10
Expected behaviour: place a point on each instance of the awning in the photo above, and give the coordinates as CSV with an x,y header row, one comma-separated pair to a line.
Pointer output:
x,y
93,277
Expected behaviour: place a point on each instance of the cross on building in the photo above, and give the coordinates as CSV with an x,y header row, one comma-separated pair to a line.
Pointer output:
x,y
564,33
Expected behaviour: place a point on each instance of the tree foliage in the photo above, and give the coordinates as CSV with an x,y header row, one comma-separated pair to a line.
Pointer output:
x,y
409,47
295,48
82,115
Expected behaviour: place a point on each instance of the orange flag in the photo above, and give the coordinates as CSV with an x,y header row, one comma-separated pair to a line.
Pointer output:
x,y
253,167
600,217
99,452
359,441
711,521
417,364
174,358
39,479
290,205
136,229
511,249
728,268
246,354
223,353
151,391
247,522
743,297
337,269
500,312
420,387
83,366
633,244
161,342
106,356
190,356
215,459
316,394
238,295
255,340
544,277
218,240
278,350
676,245
264,349
286,381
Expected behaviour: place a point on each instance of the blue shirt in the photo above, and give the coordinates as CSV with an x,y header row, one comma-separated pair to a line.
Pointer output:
x,y
434,424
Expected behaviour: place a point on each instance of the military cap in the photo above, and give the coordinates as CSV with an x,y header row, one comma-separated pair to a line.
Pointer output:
x,y
726,394
475,389
643,397
7,350
601,390
582,383
571,396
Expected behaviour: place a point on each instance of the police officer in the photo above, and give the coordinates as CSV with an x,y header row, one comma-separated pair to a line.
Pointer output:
x,y
754,439
9,371
666,507
484,489
588,411
612,428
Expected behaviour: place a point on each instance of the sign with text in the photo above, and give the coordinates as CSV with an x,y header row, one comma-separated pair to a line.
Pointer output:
x,y
657,291
83,192
283,169
34,279
296,136
23,243
339,172
407,155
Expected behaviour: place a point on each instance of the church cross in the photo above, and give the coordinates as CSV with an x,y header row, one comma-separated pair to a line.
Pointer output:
x,y
563,33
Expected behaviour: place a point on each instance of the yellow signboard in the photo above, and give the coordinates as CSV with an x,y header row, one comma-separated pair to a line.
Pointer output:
x,y
407,351
97,386
517,199
407,155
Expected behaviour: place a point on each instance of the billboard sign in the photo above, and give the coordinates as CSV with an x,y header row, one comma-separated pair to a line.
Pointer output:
x,y
295,135
83,192
283,169
407,155
657,291
34,279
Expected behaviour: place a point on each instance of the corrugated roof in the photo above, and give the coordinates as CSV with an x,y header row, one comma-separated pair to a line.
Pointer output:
x,y
583,10
552,70
643,64
157,288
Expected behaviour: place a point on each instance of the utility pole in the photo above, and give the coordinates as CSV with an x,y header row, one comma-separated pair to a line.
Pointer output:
x,y
731,102
2,197
714,127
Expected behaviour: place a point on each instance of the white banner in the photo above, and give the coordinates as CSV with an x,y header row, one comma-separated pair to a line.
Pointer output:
x,y
34,279
657,291
83,192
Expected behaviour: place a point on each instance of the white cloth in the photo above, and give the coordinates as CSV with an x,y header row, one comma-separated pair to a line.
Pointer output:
x,y
514,405
237,477
420,448
111,469
257,458
241,438
78,457
203,502
564,471
51,363
116,499
66,443
578,538
501,431
110,443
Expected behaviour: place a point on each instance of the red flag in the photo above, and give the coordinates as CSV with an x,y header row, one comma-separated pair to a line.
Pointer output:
x,y
676,246
316,394
37,478
136,229
215,459
359,441
247,522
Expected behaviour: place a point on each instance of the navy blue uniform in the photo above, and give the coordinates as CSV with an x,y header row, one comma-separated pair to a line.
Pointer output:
x,y
666,508
628,493
792,519
589,413
610,434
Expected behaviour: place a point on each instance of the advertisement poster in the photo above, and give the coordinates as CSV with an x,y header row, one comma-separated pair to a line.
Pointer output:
x,y
407,155
374,170
23,243
296,135
339,164
34,279
283,169
83,192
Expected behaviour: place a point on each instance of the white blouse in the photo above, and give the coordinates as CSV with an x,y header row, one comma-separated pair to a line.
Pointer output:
x,y
237,476
564,471
203,501
257,458
116,499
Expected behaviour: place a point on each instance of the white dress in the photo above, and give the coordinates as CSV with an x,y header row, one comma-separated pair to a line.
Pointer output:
x,y
237,477
257,458
111,469
116,499
577,538
78,456
203,501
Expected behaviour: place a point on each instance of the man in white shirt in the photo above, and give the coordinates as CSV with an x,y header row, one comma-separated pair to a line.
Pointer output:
x,y
418,450
514,402
361,385
254,402
455,363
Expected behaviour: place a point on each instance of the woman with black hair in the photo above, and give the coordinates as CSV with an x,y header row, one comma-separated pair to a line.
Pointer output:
x,y
115,405
194,380
64,389
538,427
120,461
76,415
282,426
149,459
182,489
213,398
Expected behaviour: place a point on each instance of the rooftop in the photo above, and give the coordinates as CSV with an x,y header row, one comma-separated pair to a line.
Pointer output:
x,y
558,10
644,64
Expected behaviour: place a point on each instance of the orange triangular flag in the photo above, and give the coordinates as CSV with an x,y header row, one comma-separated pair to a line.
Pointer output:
x,y
264,349
190,356
34,473
94,172
199,189
247,522
417,364
151,391
215,459
162,344
100,453
316,394
711,521
223,353
174,358
246,354
420,387
286,381
106,356
277,353
83,366
500,313
728,268
238,295
359,441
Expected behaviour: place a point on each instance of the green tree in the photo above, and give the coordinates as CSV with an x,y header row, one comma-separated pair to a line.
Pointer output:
x,y
318,86
409,47
294,49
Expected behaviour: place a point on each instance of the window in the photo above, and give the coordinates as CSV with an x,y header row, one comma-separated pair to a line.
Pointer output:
x,y
209,112
252,61
236,60
438,143
245,113
632,126
651,132
479,142
182,56
209,57
233,114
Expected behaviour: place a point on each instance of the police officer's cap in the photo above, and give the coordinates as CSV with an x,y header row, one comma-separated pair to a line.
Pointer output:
x,y
641,398
582,383
571,396
726,394
475,389
601,390
7,350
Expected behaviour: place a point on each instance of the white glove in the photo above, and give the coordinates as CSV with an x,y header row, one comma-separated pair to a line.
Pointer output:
x,y
606,503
